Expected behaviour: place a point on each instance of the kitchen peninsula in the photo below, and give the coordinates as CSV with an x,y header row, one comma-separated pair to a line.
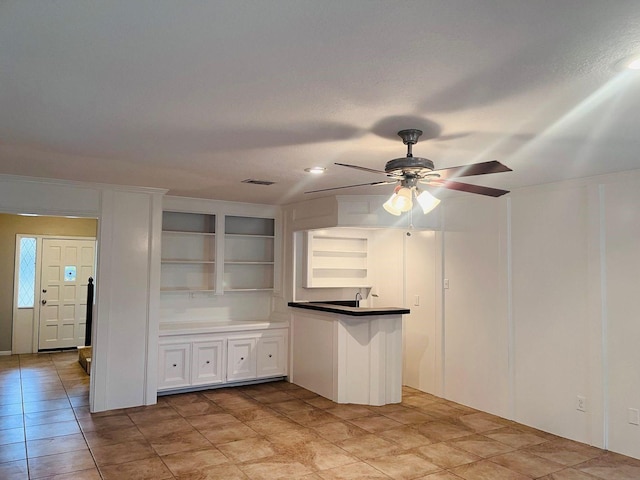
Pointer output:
x,y
347,353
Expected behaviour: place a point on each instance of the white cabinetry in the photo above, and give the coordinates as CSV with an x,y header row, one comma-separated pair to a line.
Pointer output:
x,y
207,362
336,259
271,355
191,257
190,361
175,365
242,358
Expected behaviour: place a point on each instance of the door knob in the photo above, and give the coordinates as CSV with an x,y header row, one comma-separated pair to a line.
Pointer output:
x,y
44,290
44,302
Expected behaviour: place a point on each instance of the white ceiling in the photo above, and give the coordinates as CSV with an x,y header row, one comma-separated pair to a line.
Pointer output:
x,y
196,96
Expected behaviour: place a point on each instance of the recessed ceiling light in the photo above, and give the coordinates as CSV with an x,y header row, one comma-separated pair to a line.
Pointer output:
x,y
315,170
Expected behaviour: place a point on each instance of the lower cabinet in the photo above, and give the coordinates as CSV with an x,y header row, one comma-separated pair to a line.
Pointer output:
x,y
206,359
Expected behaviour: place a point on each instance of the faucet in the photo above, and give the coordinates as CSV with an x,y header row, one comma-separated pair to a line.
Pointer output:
x,y
358,298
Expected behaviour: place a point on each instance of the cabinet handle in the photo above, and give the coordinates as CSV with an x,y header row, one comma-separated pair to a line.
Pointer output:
x,y
270,355
175,364
208,362
241,358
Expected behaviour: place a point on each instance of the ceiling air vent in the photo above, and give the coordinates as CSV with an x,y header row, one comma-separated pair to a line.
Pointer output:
x,y
258,182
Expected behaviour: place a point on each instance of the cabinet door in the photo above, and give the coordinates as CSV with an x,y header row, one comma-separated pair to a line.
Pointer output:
x,y
175,366
272,358
207,366
241,359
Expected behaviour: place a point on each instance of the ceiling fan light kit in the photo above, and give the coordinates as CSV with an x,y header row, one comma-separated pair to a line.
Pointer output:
x,y
410,170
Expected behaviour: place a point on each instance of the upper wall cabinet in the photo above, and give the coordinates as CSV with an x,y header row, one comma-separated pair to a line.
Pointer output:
x,y
248,253
188,252
224,253
336,259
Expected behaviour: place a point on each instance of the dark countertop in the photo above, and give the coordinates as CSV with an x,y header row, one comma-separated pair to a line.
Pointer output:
x,y
348,307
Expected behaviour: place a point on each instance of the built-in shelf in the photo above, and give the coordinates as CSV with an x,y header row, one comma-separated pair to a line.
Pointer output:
x,y
336,260
248,253
189,250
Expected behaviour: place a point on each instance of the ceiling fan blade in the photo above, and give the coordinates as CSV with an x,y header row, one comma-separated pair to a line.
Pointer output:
x,y
467,187
365,169
351,186
482,168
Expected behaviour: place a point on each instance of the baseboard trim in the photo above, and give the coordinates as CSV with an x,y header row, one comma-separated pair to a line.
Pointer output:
x,y
5,352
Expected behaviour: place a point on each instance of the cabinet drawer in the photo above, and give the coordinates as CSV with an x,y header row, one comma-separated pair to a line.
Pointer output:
x,y
207,365
271,353
241,359
175,365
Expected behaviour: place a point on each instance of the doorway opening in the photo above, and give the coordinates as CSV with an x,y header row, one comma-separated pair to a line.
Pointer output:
x,y
25,242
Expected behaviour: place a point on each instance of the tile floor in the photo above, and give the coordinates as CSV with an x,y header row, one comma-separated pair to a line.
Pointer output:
x,y
268,431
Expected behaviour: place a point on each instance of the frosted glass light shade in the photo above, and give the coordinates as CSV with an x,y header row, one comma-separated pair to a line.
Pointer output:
x,y
427,201
388,206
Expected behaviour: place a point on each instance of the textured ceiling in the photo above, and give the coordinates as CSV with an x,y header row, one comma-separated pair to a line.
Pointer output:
x,y
196,96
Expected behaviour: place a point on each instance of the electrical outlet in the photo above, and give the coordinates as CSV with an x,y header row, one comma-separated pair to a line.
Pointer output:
x,y
581,403
634,416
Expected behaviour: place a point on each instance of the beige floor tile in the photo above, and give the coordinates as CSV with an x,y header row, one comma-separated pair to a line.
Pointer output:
x,y
354,471
228,433
403,466
272,468
11,410
568,474
11,435
218,472
291,406
273,397
515,438
446,456
45,405
317,455
99,438
369,446
212,420
258,413
122,452
179,442
204,407
193,461
60,463
480,422
480,445
564,452
406,437
375,423
611,466
48,430
16,470
160,428
348,412
147,469
11,421
440,476
409,416
338,431
247,449
89,474
439,431
320,402
311,418
49,416
12,452
487,470
53,445
153,415
293,436
96,422
272,425
527,464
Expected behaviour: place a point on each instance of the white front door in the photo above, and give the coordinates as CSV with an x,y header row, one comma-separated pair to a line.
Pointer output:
x,y
66,268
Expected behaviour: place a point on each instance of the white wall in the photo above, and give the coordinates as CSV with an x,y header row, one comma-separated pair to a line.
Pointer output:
x,y
621,227
542,307
476,333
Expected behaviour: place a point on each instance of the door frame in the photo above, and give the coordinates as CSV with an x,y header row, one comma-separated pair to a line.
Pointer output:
x,y
35,321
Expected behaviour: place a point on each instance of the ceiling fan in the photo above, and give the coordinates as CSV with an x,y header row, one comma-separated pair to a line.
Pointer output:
x,y
409,171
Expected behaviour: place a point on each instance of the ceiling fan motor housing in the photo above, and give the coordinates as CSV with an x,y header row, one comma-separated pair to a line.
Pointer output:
x,y
409,165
